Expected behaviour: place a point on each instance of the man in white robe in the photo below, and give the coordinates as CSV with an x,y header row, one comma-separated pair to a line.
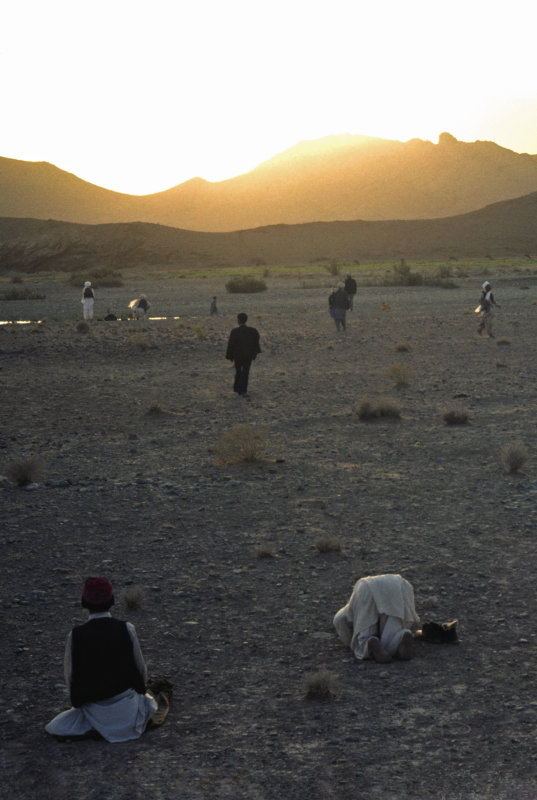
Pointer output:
x,y
377,620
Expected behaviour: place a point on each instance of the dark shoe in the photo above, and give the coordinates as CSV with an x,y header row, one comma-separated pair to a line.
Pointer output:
x,y
377,652
405,651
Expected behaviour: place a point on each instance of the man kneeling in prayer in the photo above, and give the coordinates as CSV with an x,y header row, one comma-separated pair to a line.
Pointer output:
x,y
106,675
377,620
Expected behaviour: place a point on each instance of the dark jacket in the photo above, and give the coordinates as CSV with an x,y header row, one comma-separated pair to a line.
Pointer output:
x,y
243,344
103,661
340,299
350,286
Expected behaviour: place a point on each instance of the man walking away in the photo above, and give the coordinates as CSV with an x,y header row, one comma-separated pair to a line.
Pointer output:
x,y
340,305
242,349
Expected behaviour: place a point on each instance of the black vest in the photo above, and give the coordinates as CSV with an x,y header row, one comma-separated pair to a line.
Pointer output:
x,y
103,661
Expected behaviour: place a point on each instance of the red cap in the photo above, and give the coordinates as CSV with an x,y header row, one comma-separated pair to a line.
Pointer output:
x,y
97,591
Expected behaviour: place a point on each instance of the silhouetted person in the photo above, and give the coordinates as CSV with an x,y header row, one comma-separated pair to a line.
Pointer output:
x,y
350,288
139,307
339,304
242,349
88,298
213,309
484,309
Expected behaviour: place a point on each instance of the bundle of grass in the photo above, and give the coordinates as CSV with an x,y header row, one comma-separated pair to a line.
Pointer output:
x,y
24,471
155,410
245,285
455,416
320,685
82,327
514,456
328,544
399,374
245,443
383,408
132,598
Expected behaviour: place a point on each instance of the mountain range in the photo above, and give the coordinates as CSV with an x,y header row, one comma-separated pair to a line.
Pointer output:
x,y
338,178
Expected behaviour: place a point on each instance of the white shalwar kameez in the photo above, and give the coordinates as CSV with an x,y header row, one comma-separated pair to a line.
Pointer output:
x,y
380,606
116,719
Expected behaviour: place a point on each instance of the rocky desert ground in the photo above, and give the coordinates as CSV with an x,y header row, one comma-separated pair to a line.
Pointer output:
x,y
235,581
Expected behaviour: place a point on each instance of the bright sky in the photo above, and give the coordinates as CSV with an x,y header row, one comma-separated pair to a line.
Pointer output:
x,y
141,96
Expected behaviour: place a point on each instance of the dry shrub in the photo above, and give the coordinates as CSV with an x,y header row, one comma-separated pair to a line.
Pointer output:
x,y
132,598
500,364
403,347
200,332
179,330
514,456
140,341
265,551
25,471
245,443
82,327
455,416
155,410
399,374
383,408
320,685
328,544
503,343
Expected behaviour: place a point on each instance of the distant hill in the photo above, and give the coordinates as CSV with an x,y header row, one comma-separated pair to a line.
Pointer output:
x,y
503,229
336,178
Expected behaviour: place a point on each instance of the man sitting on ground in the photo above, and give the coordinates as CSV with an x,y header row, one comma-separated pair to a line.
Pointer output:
x,y
106,676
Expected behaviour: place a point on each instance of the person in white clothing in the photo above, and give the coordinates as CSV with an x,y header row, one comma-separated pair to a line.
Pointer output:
x,y
106,676
88,298
377,621
484,310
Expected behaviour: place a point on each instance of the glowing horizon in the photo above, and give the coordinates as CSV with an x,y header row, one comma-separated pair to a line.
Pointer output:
x,y
138,98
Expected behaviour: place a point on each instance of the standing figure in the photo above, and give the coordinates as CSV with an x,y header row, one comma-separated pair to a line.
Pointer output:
x,y
139,307
484,309
339,307
376,621
106,675
213,310
242,349
350,288
88,298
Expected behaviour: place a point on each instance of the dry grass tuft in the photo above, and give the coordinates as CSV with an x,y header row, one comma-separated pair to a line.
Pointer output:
x,y
132,598
320,685
383,408
399,374
328,544
455,416
514,456
403,347
265,551
244,444
503,343
500,364
200,332
155,410
24,471
141,341
83,327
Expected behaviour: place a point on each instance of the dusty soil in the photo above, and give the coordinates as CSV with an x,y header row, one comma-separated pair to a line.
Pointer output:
x,y
139,498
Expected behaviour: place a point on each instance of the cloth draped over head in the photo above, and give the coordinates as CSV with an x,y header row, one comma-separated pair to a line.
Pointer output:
x,y
486,285
86,284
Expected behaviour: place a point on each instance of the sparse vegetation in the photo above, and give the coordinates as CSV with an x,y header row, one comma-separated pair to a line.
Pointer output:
x,y
22,294
24,471
245,443
321,685
200,332
403,347
264,551
245,285
82,327
100,278
514,456
503,343
328,544
455,416
399,374
383,408
132,598
155,410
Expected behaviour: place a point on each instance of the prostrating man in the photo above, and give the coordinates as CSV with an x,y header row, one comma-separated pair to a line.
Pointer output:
x,y
377,620
106,676
242,349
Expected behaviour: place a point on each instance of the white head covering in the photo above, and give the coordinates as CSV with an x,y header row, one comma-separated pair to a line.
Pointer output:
x,y
86,284
485,285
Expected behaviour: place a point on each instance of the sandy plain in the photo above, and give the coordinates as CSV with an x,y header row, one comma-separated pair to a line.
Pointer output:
x,y
138,497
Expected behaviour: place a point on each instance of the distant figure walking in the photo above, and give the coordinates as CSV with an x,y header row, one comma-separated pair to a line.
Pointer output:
x,y
484,310
213,310
338,304
242,349
88,298
139,307
350,288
